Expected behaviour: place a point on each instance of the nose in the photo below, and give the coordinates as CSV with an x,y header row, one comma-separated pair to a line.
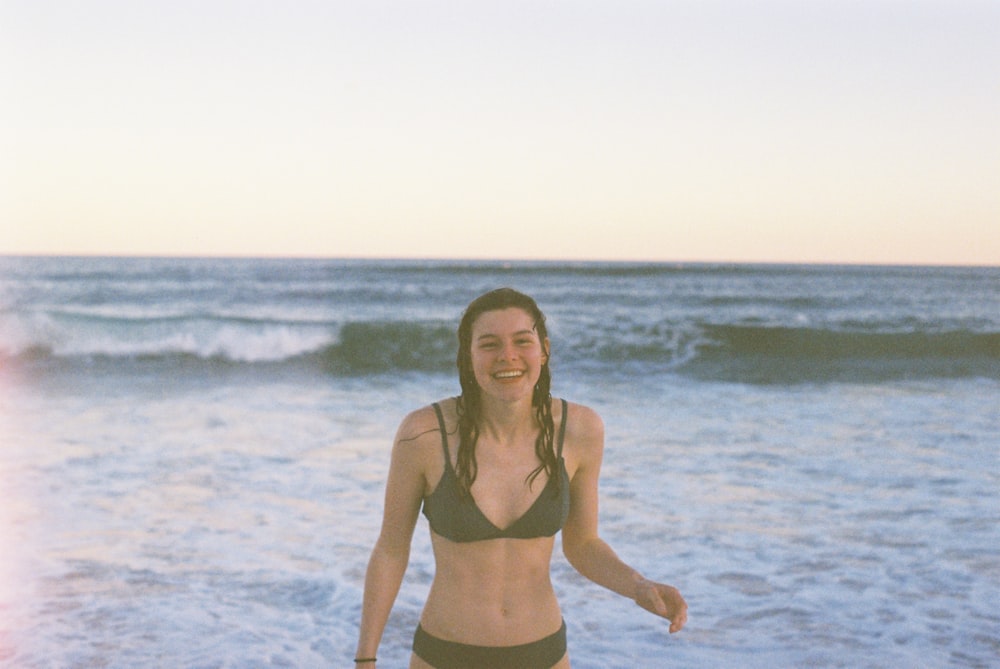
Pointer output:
x,y
508,352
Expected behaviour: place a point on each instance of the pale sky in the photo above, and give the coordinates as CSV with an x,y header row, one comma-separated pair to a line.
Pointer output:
x,y
797,131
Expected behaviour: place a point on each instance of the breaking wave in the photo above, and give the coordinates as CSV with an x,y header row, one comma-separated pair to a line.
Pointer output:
x,y
727,352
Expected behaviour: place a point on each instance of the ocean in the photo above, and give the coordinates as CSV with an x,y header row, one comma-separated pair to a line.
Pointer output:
x,y
193,453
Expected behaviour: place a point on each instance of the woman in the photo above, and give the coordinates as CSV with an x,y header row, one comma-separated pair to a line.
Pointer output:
x,y
498,471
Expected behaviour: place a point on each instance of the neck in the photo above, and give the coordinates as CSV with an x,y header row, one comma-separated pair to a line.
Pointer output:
x,y
503,421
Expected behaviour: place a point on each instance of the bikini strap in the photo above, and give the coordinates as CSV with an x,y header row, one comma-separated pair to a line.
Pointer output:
x,y
444,434
562,428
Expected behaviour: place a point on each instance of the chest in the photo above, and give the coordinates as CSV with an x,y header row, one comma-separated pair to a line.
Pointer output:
x,y
504,490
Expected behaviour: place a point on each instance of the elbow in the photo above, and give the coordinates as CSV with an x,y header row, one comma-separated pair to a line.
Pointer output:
x,y
575,551
569,554
390,550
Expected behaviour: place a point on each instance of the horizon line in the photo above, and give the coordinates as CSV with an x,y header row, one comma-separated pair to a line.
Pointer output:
x,y
502,260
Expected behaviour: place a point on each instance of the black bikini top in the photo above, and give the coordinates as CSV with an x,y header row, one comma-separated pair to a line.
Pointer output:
x,y
458,518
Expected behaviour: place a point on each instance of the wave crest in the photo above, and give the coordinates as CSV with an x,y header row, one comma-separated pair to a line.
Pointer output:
x,y
727,352
788,354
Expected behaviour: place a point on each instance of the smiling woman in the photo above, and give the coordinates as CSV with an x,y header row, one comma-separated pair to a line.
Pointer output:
x,y
492,603
502,338
503,344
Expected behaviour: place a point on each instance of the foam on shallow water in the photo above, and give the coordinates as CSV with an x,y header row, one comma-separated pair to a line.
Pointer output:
x,y
229,524
192,455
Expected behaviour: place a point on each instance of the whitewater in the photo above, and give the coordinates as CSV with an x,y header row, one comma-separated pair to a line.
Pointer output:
x,y
192,455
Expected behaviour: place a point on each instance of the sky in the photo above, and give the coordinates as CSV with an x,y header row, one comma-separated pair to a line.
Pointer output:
x,y
845,131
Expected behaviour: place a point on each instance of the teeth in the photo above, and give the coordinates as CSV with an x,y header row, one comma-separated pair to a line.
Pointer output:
x,y
507,375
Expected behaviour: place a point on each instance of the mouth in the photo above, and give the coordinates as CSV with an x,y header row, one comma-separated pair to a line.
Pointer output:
x,y
508,374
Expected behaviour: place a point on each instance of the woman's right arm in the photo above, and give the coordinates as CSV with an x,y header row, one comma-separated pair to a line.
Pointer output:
x,y
404,491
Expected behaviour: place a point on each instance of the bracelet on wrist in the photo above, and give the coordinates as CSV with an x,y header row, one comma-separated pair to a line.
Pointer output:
x,y
364,660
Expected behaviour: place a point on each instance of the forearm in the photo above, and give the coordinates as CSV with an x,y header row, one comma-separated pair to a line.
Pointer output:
x,y
597,561
382,581
594,559
585,549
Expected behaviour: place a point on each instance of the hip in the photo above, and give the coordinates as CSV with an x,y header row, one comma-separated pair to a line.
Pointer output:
x,y
543,653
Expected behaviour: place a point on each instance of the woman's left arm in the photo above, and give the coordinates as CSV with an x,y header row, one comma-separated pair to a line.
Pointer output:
x,y
582,544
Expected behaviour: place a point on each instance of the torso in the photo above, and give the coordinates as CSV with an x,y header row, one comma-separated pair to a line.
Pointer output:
x,y
491,583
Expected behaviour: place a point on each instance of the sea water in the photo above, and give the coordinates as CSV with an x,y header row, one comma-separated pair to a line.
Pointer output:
x,y
193,455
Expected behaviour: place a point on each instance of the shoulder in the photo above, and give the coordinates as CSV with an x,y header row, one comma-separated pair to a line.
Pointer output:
x,y
584,427
580,419
416,449
583,447
421,426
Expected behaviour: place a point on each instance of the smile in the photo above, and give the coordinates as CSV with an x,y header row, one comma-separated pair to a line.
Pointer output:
x,y
509,374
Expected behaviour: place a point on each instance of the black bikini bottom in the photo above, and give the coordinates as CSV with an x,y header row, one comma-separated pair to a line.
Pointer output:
x,y
441,654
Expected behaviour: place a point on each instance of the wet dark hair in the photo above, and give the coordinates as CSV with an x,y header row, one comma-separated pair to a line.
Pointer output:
x,y
469,404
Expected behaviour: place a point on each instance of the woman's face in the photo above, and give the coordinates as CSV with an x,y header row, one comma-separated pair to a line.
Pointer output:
x,y
507,353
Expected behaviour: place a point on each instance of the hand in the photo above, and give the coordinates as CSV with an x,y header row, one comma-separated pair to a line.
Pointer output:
x,y
663,600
